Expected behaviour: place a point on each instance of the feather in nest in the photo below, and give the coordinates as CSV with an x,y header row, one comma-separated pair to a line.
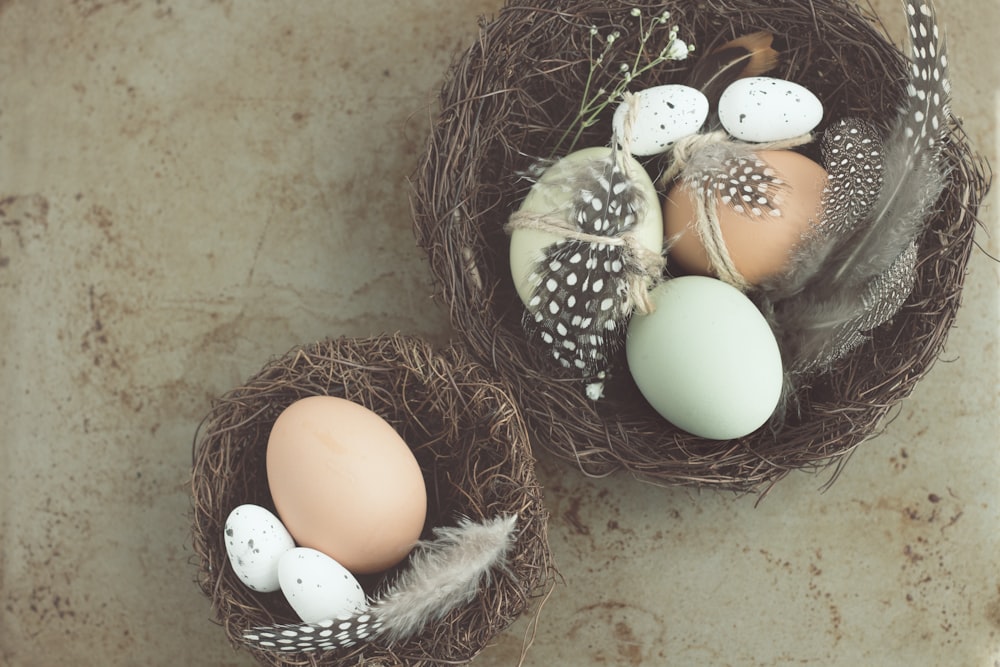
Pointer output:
x,y
857,268
442,574
745,56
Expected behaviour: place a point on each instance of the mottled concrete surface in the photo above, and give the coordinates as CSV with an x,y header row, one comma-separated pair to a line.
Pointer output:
x,y
190,188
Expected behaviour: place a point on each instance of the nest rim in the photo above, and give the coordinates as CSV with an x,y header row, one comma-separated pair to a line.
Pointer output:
x,y
503,105
471,444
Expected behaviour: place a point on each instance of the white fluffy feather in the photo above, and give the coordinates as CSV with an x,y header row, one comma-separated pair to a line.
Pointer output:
x,y
444,573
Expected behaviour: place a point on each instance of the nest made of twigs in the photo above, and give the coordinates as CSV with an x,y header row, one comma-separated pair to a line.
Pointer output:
x,y
507,102
466,434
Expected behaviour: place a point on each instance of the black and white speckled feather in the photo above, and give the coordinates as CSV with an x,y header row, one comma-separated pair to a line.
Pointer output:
x,y
731,173
328,635
857,269
581,296
853,156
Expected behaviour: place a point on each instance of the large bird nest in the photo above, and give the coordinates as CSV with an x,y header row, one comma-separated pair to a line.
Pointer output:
x,y
508,101
468,438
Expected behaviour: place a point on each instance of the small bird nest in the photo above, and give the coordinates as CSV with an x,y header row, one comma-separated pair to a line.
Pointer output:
x,y
466,434
508,101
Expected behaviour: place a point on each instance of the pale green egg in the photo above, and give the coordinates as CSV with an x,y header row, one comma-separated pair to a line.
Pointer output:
x,y
705,358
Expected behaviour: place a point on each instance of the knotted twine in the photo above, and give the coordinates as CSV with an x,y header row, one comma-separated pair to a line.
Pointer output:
x,y
644,267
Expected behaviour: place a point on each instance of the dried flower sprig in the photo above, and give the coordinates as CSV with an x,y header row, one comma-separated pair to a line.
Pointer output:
x,y
593,103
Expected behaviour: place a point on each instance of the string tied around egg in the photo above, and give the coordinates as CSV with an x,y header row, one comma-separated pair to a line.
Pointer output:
x,y
644,267
706,223
685,148
624,141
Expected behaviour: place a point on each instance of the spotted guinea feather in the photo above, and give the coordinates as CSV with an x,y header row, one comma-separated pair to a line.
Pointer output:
x,y
830,291
581,298
737,178
334,633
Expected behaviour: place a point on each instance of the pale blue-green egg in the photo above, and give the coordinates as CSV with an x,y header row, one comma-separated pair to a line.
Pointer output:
x,y
705,358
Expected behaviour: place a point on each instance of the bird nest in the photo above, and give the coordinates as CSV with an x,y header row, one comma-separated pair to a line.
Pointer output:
x,y
468,438
508,101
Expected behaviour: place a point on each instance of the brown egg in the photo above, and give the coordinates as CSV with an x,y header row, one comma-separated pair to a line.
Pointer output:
x,y
345,483
759,244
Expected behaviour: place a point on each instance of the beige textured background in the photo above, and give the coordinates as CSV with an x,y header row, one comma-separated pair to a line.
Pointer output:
x,y
188,188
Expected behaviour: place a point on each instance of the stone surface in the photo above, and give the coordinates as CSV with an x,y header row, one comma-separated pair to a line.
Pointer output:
x,y
188,189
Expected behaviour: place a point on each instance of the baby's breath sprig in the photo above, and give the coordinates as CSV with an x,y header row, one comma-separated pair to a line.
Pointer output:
x,y
593,102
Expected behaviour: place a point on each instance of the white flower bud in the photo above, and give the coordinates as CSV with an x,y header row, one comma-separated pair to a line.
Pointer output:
x,y
677,50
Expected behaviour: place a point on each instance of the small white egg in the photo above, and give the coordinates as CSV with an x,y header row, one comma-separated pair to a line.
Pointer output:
x,y
318,587
705,359
255,542
762,108
662,115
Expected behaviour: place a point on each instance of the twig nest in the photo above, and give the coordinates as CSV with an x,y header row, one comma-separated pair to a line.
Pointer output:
x,y
465,432
515,96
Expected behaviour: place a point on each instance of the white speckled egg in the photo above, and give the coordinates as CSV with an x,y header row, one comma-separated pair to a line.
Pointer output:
x,y
318,587
705,359
762,108
255,542
663,114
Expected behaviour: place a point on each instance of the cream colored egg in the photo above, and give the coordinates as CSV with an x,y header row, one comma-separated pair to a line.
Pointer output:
x,y
552,195
345,483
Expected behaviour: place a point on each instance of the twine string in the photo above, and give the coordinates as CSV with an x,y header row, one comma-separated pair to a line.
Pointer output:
x,y
631,102
709,231
648,264
644,266
687,147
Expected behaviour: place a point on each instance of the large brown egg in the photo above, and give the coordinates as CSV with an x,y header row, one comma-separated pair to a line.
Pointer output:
x,y
759,244
344,483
